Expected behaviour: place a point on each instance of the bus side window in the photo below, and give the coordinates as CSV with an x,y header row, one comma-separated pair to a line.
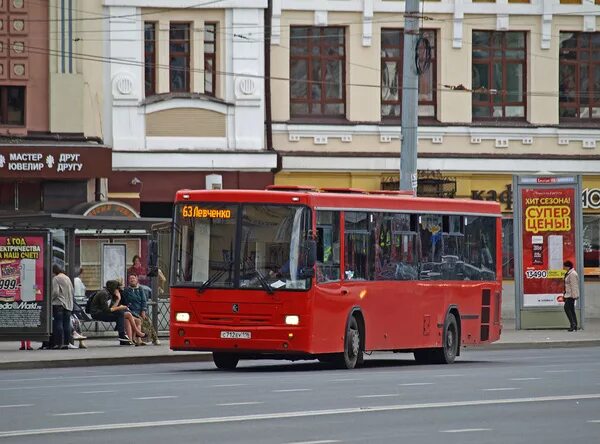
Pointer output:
x,y
358,248
430,231
328,246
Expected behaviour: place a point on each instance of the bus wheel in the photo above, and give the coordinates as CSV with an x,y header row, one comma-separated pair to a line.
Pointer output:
x,y
225,361
352,346
447,353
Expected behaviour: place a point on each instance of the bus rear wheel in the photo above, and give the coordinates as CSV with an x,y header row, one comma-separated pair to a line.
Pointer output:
x,y
225,361
353,353
450,343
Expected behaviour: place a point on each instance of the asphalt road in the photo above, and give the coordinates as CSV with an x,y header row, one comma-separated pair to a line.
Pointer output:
x,y
502,396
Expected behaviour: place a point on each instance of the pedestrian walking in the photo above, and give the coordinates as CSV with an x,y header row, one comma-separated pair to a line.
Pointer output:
x,y
571,293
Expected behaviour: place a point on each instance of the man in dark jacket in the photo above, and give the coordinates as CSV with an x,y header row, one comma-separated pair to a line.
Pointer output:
x,y
103,309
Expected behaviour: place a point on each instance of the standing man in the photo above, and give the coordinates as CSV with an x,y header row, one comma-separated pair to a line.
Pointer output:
x,y
571,293
62,306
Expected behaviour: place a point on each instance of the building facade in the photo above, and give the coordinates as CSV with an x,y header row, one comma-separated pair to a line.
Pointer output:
x,y
504,88
186,105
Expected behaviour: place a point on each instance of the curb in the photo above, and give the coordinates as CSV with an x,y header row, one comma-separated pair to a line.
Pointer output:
x,y
534,345
93,362
207,357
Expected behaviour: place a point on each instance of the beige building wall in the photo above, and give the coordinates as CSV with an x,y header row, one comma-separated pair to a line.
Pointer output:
x,y
455,132
76,98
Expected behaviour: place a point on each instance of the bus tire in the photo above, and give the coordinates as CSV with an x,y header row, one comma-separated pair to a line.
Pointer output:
x,y
450,343
352,346
225,361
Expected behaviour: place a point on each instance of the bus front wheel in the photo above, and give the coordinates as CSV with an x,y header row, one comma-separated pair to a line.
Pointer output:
x,y
353,353
225,361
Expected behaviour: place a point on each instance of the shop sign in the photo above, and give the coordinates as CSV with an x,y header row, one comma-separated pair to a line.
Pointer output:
x,y
54,162
548,237
591,198
24,285
504,197
111,209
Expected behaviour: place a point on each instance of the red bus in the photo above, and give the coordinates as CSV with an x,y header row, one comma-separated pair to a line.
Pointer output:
x,y
298,273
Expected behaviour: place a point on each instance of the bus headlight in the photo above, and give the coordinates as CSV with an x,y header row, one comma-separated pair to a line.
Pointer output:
x,y
182,317
292,320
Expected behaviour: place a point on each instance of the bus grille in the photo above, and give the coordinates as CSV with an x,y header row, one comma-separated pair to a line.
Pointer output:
x,y
235,320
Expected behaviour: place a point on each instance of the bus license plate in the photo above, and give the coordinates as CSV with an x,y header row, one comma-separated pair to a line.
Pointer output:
x,y
235,335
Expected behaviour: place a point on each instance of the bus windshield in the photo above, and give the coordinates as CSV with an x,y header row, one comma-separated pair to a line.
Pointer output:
x,y
248,246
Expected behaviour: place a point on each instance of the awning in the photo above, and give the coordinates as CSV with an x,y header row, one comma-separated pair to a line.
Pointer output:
x,y
79,222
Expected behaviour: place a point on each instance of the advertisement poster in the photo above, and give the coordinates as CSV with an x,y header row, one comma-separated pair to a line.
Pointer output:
x,y
24,284
548,241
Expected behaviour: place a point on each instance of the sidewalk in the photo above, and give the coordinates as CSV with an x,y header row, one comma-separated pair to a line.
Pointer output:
x,y
108,352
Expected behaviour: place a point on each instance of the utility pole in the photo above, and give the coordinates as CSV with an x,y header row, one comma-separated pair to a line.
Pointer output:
x,y
410,100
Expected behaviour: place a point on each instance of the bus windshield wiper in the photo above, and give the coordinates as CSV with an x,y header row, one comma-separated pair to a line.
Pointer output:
x,y
207,283
263,282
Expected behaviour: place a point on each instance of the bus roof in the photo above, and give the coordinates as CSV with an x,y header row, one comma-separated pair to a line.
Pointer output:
x,y
340,199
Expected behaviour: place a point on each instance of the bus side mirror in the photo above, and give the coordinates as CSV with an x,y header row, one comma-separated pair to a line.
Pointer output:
x,y
152,258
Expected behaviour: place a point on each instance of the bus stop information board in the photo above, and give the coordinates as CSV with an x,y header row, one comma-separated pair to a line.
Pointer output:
x,y
548,240
24,284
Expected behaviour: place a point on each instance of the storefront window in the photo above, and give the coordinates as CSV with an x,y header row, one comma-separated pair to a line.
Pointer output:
x,y
591,246
508,256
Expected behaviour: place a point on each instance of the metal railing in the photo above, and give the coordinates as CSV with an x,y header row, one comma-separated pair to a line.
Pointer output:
x,y
160,321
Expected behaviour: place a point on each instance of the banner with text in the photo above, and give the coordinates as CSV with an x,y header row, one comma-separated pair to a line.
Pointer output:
x,y
548,240
24,284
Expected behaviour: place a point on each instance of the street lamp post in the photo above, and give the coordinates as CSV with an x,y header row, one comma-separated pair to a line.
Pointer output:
x,y
410,92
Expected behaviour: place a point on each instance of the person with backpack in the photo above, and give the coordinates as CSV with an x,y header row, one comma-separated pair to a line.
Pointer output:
x,y
105,306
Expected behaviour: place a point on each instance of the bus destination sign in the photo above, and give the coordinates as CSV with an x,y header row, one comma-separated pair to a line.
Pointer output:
x,y
198,212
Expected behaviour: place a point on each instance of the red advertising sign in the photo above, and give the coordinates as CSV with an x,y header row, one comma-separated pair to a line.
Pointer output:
x,y
24,292
548,241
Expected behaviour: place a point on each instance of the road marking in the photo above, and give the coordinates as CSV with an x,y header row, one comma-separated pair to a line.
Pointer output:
x,y
500,389
346,380
326,441
595,421
12,406
524,379
97,391
227,404
379,396
150,382
559,371
293,414
75,413
226,385
465,430
62,378
455,375
408,384
291,390
155,397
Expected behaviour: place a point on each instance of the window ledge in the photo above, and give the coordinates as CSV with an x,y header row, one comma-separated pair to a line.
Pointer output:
x,y
157,98
319,120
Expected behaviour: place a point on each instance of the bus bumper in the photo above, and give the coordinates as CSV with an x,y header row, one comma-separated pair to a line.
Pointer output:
x,y
278,339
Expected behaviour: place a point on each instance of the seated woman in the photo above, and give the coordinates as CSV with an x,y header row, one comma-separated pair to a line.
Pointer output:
x,y
106,306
